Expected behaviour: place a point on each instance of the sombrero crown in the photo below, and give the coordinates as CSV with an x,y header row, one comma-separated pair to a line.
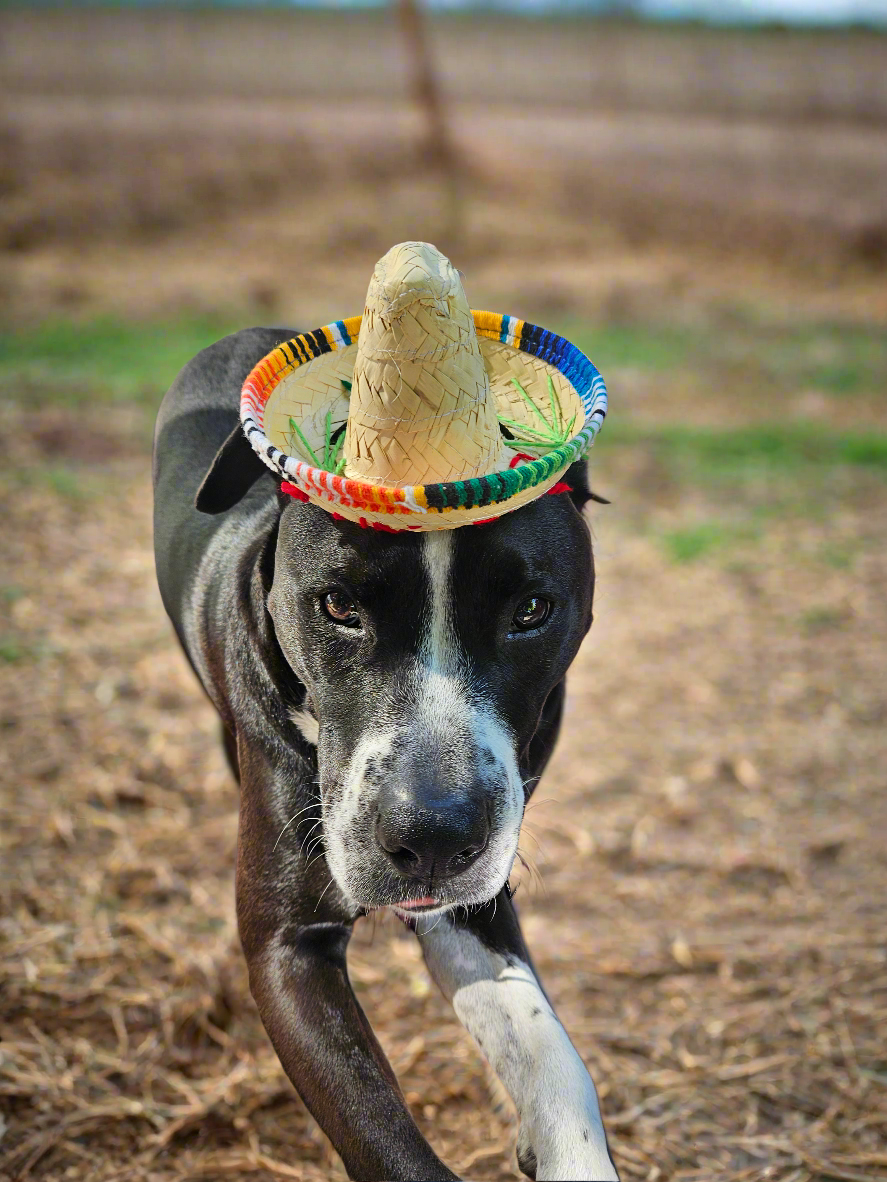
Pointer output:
x,y
422,414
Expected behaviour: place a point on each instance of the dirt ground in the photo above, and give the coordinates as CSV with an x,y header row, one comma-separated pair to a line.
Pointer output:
x,y
705,892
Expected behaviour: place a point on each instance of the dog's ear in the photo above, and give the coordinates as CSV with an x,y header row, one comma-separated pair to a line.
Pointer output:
x,y
580,493
232,474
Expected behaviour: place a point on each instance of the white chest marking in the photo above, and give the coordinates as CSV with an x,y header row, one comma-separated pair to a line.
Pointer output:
x,y
307,724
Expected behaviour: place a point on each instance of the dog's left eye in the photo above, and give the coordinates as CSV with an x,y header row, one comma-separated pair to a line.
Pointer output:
x,y
340,608
532,613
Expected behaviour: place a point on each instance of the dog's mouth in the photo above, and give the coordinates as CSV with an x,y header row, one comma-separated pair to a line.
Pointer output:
x,y
426,903
407,907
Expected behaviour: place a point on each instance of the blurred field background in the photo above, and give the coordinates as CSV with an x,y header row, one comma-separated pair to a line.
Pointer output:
x,y
705,212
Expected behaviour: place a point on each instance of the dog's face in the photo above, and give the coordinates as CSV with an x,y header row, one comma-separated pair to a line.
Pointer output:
x,y
428,658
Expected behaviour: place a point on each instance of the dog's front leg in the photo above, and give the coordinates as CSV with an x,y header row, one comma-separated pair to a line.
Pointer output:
x,y
294,933
483,968
328,1050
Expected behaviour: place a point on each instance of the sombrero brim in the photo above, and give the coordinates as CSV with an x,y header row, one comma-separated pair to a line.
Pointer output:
x,y
324,360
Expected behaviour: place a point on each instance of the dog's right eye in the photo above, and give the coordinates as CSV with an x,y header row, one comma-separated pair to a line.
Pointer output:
x,y
340,608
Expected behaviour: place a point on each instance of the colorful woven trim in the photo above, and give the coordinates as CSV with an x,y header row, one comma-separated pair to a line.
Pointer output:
x,y
340,491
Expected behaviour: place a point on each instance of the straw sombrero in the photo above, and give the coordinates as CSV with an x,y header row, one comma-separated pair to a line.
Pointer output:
x,y
422,414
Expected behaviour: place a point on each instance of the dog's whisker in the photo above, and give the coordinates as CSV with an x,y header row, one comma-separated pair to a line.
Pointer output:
x,y
529,833
436,922
534,804
532,869
318,821
287,825
527,866
324,891
540,849
315,800
528,785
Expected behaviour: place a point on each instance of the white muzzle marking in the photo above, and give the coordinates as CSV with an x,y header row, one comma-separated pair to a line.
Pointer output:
x,y
448,718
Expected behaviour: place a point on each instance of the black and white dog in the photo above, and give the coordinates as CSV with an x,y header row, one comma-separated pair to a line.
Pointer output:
x,y
389,702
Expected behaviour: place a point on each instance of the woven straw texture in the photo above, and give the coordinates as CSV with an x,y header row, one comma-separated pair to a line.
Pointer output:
x,y
421,408
422,414
505,365
273,395
308,393
306,396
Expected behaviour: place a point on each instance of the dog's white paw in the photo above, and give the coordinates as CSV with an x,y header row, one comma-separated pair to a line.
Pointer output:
x,y
526,1154
572,1152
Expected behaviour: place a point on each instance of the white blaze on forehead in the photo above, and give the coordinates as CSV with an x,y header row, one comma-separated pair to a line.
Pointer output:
x,y
465,726
443,700
440,645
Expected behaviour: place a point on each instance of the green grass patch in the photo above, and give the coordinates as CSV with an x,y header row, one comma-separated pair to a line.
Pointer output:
x,y
639,346
835,360
822,619
12,650
751,475
692,542
774,447
64,482
75,484
838,555
71,364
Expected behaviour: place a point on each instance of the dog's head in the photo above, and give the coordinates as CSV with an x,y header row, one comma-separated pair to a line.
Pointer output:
x,y
428,659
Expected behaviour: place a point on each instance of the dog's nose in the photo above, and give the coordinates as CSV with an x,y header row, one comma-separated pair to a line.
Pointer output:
x,y
432,841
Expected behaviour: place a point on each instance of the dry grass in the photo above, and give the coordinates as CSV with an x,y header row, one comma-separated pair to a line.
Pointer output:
x,y
707,908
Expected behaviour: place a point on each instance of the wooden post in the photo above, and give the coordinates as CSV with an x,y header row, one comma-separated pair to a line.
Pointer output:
x,y
425,90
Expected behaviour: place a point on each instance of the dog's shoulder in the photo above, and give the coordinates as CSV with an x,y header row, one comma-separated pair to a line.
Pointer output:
x,y
201,410
198,416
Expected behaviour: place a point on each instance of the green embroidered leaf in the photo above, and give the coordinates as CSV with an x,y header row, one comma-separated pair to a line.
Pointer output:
x,y
296,429
551,434
326,442
333,459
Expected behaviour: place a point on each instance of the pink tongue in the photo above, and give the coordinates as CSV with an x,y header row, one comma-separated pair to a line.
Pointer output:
x,y
426,902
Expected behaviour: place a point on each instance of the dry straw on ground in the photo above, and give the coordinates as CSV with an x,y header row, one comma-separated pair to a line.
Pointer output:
x,y
707,908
